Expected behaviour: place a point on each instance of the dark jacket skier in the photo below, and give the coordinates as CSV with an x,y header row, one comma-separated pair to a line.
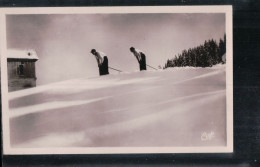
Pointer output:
x,y
102,61
140,56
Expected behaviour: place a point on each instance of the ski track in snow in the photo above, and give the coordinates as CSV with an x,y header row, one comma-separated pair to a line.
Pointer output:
x,y
129,109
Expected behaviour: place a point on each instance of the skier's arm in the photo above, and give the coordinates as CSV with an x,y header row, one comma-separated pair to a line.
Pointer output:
x,y
137,56
99,59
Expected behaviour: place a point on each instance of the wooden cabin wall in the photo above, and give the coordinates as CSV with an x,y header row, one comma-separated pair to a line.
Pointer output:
x,y
29,69
17,81
20,83
13,68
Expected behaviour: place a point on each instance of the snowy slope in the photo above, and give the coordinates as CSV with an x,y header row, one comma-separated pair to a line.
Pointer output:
x,y
173,107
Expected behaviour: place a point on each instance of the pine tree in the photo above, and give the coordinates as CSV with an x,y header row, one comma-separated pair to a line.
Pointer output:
x,y
205,55
222,48
225,44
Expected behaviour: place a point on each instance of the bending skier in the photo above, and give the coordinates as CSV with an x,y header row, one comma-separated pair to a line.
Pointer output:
x,y
140,56
102,61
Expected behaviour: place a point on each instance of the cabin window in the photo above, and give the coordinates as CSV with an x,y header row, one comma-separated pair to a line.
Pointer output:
x,y
21,69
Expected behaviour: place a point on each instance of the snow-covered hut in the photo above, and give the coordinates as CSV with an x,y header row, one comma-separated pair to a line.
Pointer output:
x,y
21,69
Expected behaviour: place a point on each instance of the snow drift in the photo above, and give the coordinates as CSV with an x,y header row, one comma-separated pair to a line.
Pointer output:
x,y
176,107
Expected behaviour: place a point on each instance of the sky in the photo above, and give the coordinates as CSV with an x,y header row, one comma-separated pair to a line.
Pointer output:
x,y
63,41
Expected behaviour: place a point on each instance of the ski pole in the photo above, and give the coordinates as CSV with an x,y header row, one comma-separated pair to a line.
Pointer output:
x,y
115,69
151,67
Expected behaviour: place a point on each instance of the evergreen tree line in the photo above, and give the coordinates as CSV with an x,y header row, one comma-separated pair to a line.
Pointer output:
x,y
205,55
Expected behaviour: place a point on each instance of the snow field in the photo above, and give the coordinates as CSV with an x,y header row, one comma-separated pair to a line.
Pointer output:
x,y
164,108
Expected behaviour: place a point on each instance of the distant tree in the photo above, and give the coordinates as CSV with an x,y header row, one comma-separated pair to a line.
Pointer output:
x,y
213,52
205,55
222,48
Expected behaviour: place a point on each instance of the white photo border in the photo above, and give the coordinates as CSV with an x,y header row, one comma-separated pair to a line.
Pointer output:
x,y
227,9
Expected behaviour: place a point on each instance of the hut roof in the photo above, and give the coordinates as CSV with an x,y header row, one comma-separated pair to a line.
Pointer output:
x,y
22,54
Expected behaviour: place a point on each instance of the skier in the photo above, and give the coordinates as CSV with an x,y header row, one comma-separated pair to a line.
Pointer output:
x,y
102,61
140,56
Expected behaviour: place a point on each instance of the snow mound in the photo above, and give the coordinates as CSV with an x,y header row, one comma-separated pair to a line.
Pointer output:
x,y
172,107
